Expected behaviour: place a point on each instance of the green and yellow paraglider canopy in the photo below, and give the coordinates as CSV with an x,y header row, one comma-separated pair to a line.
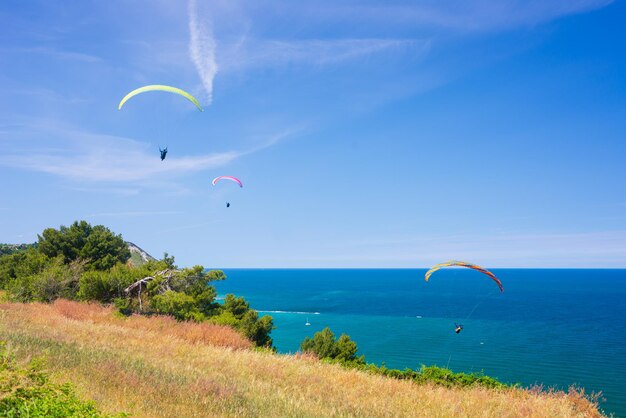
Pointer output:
x,y
159,87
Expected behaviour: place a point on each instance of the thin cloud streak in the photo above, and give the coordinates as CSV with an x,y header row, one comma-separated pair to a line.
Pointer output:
x,y
120,191
202,48
55,53
256,53
186,227
45,94
133,214
456,15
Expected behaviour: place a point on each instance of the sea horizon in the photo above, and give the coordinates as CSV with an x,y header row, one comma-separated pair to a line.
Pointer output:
x,y
408,268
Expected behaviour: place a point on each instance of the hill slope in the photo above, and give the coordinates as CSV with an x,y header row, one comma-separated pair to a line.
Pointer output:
x,y
137,255
155,367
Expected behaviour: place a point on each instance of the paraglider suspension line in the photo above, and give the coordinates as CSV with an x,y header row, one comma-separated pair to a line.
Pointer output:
x,y
479,302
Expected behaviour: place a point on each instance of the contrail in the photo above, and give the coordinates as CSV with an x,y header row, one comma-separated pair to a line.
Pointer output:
x,y
202,49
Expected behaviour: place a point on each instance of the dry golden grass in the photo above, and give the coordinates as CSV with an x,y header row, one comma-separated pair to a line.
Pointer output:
x,y
154,367
204,333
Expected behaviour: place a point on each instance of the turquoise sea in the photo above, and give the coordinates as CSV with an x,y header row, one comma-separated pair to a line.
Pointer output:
x,y
551,326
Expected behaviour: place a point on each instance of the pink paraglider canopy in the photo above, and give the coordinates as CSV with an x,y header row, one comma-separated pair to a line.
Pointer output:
x,y
235,179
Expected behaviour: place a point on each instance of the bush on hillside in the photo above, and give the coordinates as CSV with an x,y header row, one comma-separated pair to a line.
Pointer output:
x,y
55,280
447,377
257,329
180,305
185,294
28,392
105,286
236,312
21,264
343,351
236,306
325,346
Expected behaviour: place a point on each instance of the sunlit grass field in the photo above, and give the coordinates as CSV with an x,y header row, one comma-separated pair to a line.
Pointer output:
x,y
156,367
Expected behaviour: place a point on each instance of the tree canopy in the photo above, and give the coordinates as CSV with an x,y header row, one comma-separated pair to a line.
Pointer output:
x,y
97,245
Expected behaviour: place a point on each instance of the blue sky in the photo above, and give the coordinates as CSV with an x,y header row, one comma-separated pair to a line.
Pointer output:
x,y
367,134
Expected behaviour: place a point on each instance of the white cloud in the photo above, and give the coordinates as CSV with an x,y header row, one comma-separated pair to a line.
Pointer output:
x,y
90,157
97,163
202,48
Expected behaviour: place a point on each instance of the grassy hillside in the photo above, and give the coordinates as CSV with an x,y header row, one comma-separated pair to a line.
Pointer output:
x,y
155,367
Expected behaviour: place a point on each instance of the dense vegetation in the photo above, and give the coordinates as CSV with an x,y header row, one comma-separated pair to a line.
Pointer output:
x,y
91,263
26,391
7,249
343,350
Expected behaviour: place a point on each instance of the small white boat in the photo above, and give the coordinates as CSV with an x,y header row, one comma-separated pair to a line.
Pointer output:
x,y
308,324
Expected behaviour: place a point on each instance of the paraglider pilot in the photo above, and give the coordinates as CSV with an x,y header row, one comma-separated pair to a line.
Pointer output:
x,y
227,204
458,327
163,153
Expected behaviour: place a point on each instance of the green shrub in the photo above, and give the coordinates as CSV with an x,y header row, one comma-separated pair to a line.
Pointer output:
x,y
257,329
325,346
56,280
236,313
105,286
447,377
177,304
343,351
28,392
21,264
237,306
124,306
225,318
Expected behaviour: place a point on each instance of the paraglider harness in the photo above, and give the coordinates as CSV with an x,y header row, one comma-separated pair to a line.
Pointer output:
x,y
458,327
163,153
